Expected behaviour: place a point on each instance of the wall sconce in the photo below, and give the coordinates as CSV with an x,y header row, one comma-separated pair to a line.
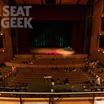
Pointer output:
x,y
1,34
103,52
98,50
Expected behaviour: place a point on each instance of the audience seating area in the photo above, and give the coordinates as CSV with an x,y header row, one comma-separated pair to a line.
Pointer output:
x,y
31,77
48,61
36,73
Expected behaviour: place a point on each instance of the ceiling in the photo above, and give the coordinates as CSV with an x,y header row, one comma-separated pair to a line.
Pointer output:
x,y
66,2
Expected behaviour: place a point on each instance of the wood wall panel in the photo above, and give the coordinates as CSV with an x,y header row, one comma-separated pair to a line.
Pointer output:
x,y
83,1
96,30
79,100
28,1
7,54
69,1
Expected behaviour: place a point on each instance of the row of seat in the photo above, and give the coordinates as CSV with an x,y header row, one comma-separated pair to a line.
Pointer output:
x,y
31,75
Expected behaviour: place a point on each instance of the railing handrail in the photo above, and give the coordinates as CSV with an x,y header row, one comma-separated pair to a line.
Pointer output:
x,y
53,93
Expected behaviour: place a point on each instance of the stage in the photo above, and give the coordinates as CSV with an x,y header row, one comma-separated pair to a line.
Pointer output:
x,y
53,51
49,57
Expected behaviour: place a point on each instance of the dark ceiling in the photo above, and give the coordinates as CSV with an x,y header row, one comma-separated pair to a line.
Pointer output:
x,y
63,2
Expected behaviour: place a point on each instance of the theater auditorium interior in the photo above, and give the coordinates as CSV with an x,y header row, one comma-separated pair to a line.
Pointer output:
x,y
52,52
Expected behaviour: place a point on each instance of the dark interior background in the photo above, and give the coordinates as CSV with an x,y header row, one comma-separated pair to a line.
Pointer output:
x,y
52,34
101,41
1,41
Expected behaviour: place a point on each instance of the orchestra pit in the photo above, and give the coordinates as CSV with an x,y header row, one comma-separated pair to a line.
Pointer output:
x,y
52,52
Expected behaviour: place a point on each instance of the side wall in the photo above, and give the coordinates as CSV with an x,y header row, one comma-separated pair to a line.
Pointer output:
x,y
6,52
96,30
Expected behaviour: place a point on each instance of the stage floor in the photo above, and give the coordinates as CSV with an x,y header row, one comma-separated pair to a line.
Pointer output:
x,y
53,51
